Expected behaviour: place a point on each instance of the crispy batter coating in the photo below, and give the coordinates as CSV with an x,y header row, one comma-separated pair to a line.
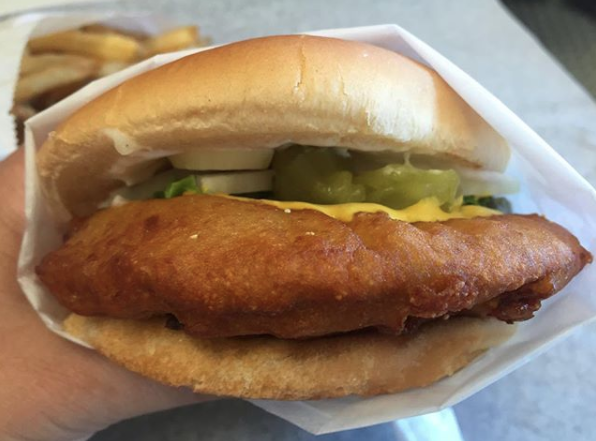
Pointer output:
x,y
225,267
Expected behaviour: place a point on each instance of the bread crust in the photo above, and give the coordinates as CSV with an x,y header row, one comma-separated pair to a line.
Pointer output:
x,y
269,368
262,93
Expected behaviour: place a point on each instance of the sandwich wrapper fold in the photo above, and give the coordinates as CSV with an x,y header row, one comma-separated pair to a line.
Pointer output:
x,y
549,186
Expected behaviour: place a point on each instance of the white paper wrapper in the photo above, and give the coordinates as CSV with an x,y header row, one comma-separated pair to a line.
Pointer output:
x,y
550,186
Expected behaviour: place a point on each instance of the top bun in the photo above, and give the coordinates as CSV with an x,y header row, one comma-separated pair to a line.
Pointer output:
x,y
262,93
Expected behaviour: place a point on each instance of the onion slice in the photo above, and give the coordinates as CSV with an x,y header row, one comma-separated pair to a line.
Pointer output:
x,y
486,183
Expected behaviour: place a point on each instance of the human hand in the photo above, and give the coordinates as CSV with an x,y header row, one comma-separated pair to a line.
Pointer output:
x,y
50,388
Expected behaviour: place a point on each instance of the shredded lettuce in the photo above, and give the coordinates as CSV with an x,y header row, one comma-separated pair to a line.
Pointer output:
x,y
499,203
187,185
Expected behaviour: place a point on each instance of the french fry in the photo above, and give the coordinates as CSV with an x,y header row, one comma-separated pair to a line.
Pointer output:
x,y
173,40
36,63
52,96
97,28
23,111
112,46
103,29
110,67
37,83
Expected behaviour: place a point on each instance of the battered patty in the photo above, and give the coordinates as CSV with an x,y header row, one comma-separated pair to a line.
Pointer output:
x,y
225,267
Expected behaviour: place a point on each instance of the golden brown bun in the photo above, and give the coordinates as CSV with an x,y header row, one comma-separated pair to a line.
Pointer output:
x,y
270,368
262,93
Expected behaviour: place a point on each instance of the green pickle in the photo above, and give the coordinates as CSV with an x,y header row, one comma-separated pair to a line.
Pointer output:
x,y
319,176
326,176
401,185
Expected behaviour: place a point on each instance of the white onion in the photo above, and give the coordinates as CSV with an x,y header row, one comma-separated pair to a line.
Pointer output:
x,y
223,159
236,182
486,183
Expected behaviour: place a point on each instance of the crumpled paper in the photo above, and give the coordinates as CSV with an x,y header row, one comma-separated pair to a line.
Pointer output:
x,y
549,186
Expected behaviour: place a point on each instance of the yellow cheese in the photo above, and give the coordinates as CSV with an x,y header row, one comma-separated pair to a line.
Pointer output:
x,y
427,210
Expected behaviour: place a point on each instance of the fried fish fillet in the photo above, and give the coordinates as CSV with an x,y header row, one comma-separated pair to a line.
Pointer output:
x,y
226,267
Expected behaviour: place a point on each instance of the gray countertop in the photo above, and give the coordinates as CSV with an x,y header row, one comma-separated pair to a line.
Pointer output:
x,y
550,398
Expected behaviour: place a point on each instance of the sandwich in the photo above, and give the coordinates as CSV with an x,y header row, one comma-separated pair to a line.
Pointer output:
x,y
292,217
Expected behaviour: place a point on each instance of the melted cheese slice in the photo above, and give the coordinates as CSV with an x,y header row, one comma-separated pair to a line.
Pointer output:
x,y
427,210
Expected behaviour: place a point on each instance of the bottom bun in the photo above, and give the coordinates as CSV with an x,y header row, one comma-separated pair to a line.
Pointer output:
x,y
362,363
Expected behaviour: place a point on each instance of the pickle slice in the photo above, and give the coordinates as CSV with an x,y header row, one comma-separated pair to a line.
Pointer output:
x,y
327,176
319,176
401,185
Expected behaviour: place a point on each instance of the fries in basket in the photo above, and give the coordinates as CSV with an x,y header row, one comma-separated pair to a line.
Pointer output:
x,y
58,64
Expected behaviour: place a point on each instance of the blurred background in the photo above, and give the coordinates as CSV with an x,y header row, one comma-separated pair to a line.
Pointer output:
x,y
567,28
539,58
